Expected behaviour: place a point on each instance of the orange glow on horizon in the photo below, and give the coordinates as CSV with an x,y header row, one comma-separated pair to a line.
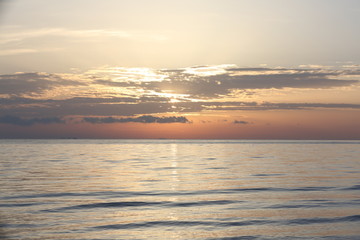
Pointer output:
x,y
256,125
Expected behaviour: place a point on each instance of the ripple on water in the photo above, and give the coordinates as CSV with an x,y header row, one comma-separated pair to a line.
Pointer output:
x,y
179,189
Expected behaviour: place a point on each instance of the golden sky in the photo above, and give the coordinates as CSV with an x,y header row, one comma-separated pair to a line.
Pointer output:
x,y
230,69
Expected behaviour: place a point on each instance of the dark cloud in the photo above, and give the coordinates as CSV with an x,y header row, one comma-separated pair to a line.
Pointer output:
x,y
141,119
172,70
293,106
146,101
14,120
200,66
29,83
54,108
119,107
276,106
253,69
240,122
222,84
181,82
270,69
353,72
83,100
96,100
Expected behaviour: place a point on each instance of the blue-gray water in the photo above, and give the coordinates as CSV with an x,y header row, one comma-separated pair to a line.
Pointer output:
x,y
179,189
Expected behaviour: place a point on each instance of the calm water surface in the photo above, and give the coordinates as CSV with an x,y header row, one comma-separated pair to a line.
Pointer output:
x,y
179,189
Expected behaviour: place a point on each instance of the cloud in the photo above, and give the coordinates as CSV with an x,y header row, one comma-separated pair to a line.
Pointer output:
x,y
14,120
214,86
141,119
197,83
16,34
29,83
21,121
10,52
293,106
253,106
67,107
142,91
255,69
240,122
138,106
206,82
81,101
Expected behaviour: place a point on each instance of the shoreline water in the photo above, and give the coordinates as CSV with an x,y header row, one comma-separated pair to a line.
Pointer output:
x,y
179,189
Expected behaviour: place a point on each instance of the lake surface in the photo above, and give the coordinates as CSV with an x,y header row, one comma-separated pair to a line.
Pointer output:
x,y
179,189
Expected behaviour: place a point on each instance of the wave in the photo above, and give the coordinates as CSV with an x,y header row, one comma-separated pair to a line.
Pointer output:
x,y
118,194
258,237
302,221
142,204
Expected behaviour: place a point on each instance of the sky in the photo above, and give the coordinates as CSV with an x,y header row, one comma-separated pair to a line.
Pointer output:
x,y
191,69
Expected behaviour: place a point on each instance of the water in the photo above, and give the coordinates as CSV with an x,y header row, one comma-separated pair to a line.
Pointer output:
x,y
179,189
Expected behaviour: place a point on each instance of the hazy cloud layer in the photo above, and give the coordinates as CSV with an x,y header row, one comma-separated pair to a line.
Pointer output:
x,y
14,120
119,107
240,122
16,34
141,119
29,83
47,39
253,106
